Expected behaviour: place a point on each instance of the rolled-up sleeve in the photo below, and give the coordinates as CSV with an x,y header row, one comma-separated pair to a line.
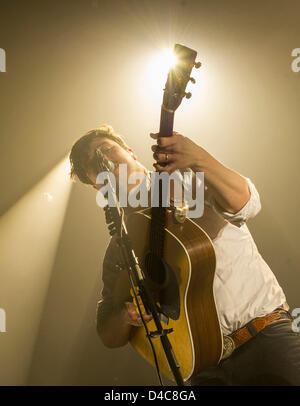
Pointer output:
x,y
250,210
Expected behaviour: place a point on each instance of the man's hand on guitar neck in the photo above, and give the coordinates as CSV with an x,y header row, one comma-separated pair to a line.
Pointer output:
x,y
229,188
176,152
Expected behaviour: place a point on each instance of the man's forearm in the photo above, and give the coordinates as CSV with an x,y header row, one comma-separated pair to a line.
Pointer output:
x,y
116,331
230,189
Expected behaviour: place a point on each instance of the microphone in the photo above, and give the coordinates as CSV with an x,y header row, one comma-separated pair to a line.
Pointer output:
x,y
104,164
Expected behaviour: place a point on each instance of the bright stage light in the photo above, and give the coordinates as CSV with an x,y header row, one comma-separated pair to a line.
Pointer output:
x,y
156,73
29,235
160,65
164,61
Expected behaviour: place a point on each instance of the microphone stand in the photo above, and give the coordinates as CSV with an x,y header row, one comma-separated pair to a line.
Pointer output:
x,y
114,218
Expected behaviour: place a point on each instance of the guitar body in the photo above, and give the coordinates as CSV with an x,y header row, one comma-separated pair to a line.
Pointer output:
x,y
196,338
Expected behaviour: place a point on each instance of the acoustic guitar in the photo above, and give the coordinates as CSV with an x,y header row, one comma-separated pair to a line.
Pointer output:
x,y
179,261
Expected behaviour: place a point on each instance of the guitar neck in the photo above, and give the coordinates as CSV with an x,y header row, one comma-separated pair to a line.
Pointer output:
x,y
174,92
166,122
159,213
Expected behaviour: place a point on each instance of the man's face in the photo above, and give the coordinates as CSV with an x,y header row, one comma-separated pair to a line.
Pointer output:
x,y
115,153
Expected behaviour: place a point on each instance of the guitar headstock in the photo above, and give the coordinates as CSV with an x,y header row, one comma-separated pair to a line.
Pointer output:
x,y
179,76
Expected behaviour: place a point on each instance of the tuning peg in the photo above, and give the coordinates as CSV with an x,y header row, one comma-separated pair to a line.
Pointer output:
x,y
197,65
188,95
192,80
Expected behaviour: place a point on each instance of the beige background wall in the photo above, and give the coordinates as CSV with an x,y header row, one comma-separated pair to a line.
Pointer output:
x,y
74,65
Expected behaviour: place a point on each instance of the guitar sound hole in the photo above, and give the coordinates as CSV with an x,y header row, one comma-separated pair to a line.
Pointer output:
x,y
155,269
163,285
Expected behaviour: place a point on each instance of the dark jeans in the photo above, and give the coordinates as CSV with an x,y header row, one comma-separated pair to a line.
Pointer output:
x,y
270,358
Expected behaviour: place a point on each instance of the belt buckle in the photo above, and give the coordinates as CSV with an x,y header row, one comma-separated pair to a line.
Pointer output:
x,y
228,347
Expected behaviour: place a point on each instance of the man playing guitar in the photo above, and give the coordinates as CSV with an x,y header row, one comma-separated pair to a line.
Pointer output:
x,y
260,346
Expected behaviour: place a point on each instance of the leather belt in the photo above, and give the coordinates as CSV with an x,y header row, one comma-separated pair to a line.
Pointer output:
x,y
242,335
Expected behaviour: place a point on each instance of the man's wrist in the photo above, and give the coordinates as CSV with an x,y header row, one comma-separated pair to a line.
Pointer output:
x,y
204,164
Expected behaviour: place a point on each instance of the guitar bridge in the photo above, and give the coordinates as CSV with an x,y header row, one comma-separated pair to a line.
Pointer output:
x,y
156,334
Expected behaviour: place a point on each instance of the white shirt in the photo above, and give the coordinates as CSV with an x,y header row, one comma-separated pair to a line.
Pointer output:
x,y
244,285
